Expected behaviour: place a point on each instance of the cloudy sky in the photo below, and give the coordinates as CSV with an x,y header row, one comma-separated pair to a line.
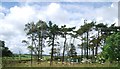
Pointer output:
x,y
14,15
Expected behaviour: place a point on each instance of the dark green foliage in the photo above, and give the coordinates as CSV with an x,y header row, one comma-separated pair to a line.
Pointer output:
x,y
53,31
85,29
72,52
111,50
37,33
64,32
5,50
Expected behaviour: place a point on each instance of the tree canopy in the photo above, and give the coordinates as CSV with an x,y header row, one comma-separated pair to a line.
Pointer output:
x,y
111,50
5,50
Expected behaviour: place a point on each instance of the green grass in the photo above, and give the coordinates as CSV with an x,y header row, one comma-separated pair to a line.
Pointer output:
x,y
61,68
24,57
55,64
15,62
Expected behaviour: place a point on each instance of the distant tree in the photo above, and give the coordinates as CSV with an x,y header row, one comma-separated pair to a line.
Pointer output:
x,y
41,30
64,32
100,28
84,30
30,30
56,50
5,50
80,32
87,28
72,52
53,31
82,46
28,44
93,44
30,48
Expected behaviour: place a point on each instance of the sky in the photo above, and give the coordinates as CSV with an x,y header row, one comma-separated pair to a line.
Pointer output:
x,y
14,16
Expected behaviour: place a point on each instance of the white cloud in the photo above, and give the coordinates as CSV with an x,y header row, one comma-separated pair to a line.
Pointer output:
x,y
116,22
53,8
1,8
99,19
12,26
56,14
90,0
1,15
59,0
21,14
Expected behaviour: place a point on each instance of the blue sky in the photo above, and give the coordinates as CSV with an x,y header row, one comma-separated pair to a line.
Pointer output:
x,y
14,15
94,4
8,5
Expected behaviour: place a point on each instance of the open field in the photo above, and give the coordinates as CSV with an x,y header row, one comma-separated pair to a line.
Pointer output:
x,y
55,64
25,62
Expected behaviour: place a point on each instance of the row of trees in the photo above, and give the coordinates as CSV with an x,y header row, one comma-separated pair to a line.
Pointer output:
x,y
39,32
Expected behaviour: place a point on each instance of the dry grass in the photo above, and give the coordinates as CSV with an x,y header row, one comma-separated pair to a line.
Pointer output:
x,y
55,64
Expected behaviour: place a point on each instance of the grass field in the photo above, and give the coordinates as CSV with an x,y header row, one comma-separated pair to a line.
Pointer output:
x,y
47,64
25,62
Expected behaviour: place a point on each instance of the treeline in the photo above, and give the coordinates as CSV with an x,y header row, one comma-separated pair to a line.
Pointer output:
x,y
92,36
4,51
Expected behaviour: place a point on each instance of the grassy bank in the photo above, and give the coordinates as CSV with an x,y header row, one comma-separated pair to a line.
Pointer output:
x,y
57,64
25,62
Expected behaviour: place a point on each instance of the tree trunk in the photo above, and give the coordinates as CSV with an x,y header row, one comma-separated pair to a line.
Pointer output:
x,y
82,49
35,51
39,47
96,49
41,44
64,49
87,45
31,58
52,50
84,52
93,54
96,52
31,50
